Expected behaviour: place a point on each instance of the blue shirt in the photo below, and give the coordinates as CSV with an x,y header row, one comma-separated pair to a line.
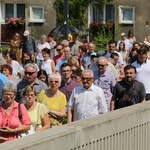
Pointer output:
x,y
60,62
29,45
3,78
106,81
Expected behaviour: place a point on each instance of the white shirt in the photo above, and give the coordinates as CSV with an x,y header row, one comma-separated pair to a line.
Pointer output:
x,y
120,59
128,44
87,103
39,47
47,66
16,67
143,74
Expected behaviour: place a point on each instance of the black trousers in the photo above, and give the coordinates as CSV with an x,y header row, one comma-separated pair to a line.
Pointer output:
x,y
148,97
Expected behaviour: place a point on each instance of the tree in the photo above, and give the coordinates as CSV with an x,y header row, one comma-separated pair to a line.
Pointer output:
x,y
77,10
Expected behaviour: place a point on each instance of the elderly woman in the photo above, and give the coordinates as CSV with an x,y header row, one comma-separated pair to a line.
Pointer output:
x,y
10,123
54,100
38,113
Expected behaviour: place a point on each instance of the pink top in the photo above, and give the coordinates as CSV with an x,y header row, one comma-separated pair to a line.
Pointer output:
x,y
12,120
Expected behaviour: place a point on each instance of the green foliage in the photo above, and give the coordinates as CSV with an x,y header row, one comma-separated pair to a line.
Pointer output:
x,y
77,10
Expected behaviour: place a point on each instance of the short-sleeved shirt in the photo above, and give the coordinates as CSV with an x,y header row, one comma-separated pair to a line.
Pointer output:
x,y
38,85
55,103
59,63
86,103
124,93
12,120
37,114
143,74
106,81
67,88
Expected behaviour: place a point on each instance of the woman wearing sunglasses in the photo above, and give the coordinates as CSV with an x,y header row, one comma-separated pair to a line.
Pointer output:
x,y
54,100
38,113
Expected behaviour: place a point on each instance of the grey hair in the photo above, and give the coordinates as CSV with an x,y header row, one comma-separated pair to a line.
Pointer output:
x,y
102,58
31,65
9,87
66,42
43,36
88,71
55,76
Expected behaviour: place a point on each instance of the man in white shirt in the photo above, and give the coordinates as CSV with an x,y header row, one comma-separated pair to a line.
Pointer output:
x,y
128,45
86,100
143,69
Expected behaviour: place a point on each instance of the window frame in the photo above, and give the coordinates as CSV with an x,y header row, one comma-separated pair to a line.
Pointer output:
x,y
31,19
3,15
121,21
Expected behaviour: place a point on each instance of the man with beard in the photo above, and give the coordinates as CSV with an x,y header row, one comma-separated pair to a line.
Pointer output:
x,y
128,91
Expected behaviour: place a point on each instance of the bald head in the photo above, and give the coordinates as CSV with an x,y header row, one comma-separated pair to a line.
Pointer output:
x,y
102,64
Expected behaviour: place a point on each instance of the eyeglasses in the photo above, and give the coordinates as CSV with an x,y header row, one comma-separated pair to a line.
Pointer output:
x,y
28,95
100,65
7,94
29,73
54,81
64,71
58,50
87,79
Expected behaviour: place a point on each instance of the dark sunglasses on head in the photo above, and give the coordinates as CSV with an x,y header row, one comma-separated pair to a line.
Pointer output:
x,y
29,73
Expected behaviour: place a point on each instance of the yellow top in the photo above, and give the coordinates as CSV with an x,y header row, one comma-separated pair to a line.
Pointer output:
x,y
36,115
55,103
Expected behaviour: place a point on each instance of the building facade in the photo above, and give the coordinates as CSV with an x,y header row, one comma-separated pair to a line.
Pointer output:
x,y
127,15
39,15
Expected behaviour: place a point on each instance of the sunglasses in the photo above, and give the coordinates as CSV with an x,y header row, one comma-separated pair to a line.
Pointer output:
x,y
100,65
28,95
87,79
54,81
29,73
58,50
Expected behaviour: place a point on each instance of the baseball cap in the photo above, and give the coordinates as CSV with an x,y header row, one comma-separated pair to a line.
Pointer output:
x,y
101,53
93,54
26,32
123,34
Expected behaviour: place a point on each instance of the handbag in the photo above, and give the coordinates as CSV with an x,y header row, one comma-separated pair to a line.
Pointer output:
x,y
37,127
29,132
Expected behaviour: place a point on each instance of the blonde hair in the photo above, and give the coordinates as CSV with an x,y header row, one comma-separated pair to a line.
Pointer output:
x,y
29,89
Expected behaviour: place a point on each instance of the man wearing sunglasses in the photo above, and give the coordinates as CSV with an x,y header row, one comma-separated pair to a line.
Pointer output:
x,y
60,52
86,100
30,79
104,79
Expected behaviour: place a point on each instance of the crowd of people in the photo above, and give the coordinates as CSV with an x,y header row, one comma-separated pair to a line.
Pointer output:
x,y
51,83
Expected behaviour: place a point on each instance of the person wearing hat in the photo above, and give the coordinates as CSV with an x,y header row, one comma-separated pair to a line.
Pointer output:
x,y
128,45
41,45
29,43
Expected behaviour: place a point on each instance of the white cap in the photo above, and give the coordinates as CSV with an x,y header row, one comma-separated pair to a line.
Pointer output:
x,y
26,33
123,34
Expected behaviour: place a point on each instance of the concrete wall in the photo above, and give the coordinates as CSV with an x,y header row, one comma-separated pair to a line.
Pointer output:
x,y
124,129
49,15
142,8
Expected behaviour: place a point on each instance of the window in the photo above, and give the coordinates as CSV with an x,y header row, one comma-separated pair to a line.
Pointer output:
x,y
14,10
126,14
36,14
98,13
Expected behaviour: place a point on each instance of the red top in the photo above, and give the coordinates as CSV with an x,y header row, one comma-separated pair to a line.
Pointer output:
x,y
12,120
57,58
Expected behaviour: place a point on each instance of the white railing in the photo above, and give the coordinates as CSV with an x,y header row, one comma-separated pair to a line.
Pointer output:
x,y
124,129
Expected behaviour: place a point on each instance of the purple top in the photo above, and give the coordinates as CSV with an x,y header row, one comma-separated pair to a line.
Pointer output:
x,y
67,88
106,81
